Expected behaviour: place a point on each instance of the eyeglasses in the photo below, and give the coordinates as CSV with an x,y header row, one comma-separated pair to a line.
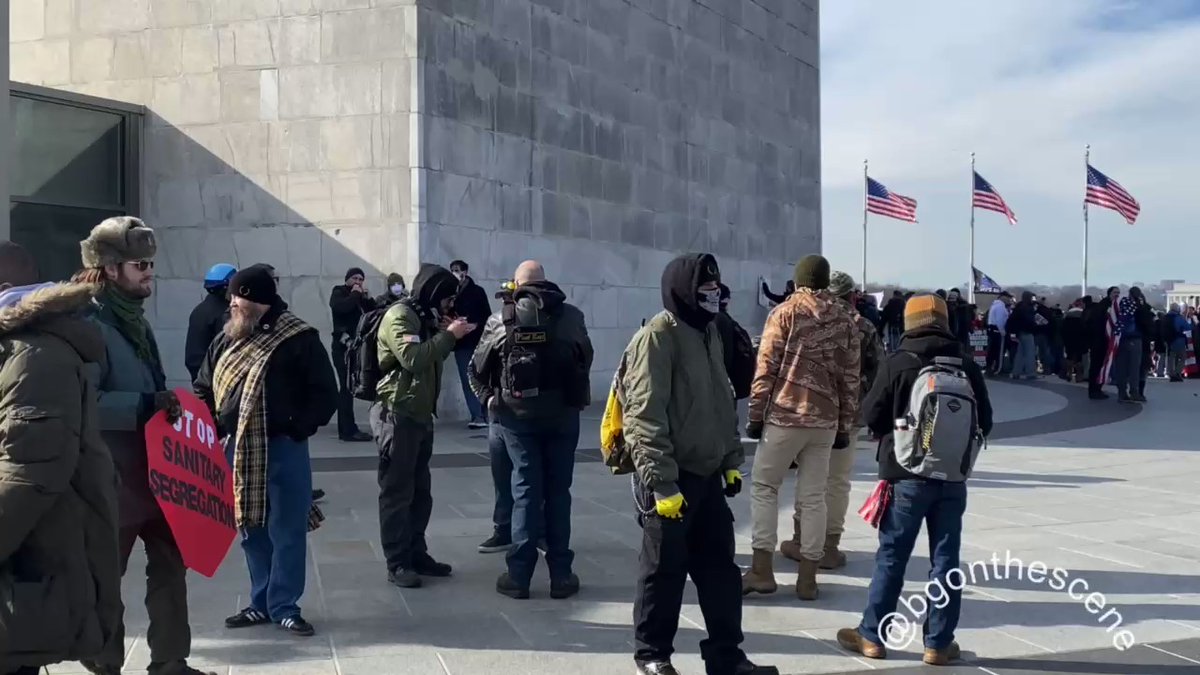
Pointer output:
x,y
142,265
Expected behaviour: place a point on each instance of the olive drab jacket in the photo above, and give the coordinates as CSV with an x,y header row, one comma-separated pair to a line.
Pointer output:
x,y
60,571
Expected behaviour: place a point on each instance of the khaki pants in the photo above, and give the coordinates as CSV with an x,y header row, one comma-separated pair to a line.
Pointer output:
x,y
779,447
837,489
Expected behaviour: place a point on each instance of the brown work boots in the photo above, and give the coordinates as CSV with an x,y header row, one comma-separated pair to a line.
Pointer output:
x,y
760,578
833,558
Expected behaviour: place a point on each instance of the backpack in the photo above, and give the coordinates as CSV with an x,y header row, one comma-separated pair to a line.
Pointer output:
x,y
538,371
938,437
745,357
362,355
613,449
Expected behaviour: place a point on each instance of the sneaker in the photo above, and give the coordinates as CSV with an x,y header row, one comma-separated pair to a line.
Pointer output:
x,y
941,657
172,668
564,588
656,668
506,586
404,578
246,618
318,494
497,543
298,626
477,423
426,566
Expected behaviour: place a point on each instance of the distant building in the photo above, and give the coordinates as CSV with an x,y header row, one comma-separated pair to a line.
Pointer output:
x,y
1184,294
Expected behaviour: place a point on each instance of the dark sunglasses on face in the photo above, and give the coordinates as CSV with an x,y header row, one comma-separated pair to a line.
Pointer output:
x,y
142,265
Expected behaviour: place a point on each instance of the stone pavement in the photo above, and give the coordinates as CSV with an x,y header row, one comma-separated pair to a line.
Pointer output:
x,y
1104,491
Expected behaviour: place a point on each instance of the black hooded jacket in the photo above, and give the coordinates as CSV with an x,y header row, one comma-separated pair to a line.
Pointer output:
x,y
204,324
888,399
301,388
347,308
472,304
680,281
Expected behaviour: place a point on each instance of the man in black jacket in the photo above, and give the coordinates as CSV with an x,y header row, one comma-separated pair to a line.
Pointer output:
x,y
472,305
1023,324
941,503
268,412
208,317
348,302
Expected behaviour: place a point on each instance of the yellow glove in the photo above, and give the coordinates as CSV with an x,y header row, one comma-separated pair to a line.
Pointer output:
x,y
670,507
733,482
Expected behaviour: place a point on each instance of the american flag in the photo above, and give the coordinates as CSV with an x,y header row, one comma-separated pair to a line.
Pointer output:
x,y
1106,192
886,203
986,197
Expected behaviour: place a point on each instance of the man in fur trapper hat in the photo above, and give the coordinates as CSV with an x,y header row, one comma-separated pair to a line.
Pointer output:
x,y
118,256
58,499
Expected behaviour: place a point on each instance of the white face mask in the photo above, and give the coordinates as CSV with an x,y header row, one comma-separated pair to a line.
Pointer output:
x,y
398,289
459,275
710,301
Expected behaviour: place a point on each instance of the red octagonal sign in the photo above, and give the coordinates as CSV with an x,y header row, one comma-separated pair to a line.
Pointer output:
x,y
190,478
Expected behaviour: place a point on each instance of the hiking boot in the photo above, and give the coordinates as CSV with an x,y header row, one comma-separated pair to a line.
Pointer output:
x,y
426,566
791,548
298,626
941,657
853,641
748,668
506,586
564,588
246,618
806,580
404,577
656,668
497,543
833,558
760,578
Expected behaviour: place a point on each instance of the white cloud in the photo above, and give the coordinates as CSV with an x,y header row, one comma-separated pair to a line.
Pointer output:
x,y
918,86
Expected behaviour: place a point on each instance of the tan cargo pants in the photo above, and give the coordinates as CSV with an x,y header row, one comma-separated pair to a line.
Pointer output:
x,y
779,447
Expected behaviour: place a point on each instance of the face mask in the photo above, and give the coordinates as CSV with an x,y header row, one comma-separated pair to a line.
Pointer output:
x,y
710,301
460,275
398,289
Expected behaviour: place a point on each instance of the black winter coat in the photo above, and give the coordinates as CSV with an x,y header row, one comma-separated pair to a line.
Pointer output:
x,y
472,305
301,388
1022,318
347,309
204,325
888,399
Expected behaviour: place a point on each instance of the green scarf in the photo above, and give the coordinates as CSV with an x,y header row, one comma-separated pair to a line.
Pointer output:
x,y
131,321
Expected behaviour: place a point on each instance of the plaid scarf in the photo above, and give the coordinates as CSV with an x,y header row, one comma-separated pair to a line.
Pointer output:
x,y
243,365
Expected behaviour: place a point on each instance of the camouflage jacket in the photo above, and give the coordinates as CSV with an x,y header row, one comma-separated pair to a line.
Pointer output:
x,y
808,365
870,350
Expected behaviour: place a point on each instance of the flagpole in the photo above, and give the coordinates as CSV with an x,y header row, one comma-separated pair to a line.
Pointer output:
x,y
864,262
971,294
1087,162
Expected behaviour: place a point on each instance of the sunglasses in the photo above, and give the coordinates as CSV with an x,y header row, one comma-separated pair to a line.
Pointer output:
x,y
142,265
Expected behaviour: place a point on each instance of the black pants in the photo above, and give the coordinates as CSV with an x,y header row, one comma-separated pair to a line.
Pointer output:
x,y
26,670
995,350
1097,354
347,427
405,495
169,635
700,545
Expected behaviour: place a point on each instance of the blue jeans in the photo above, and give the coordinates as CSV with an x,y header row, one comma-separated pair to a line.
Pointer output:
x,y
1025,363
543,458
502,479
940,505
276,552
463,357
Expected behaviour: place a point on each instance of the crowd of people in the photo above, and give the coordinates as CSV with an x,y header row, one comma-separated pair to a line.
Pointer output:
x,y
81,375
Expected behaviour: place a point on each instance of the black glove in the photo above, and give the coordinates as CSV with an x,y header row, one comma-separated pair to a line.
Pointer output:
x,y
754,430
166,401
842,440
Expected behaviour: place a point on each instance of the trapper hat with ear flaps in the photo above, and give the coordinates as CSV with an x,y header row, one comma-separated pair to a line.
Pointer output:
x,y
118,240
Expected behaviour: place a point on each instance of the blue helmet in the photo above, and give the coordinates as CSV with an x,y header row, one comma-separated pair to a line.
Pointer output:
x,y
219,275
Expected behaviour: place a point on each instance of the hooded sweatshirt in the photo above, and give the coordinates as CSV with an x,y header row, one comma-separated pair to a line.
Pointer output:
x,y
678,407
412,347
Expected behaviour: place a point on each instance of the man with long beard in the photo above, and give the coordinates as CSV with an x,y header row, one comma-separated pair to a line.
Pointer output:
x,y
268,380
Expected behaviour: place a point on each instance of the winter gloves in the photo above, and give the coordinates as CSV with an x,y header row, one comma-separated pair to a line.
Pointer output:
x,y
669,506
754,430
733,482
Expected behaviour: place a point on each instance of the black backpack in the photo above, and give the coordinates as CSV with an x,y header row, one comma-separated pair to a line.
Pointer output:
x,y
745,357
537,370
362,355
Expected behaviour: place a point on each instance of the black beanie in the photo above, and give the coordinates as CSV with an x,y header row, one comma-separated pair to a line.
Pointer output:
x,y
254,284
353,271
812,272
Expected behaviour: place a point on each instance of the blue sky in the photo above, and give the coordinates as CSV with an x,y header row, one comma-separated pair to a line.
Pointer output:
x,y
1025,84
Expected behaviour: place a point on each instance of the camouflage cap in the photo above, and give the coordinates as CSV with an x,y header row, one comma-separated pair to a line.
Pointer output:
x,y
841,284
